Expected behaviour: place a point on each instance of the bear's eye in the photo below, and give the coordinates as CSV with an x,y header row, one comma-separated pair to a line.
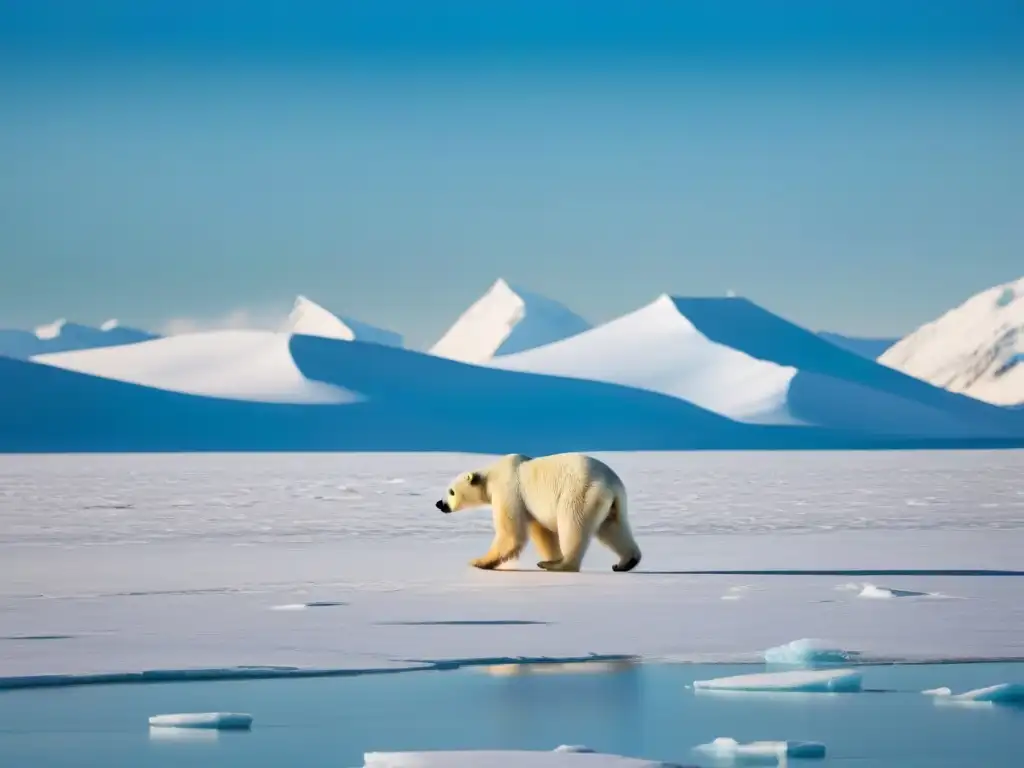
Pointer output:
x,y
451,491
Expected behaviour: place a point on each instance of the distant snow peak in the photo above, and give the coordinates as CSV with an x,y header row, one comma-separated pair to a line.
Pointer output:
x,y
504,321
50,330
309,318
976,348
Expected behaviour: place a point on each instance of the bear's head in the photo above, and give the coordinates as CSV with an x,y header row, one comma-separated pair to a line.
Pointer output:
x,y
465,492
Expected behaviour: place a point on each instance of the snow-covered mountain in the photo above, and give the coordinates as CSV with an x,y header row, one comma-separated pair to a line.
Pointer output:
x,y
504,321
62,336
733,358
309,318
658,349
235,364
976,348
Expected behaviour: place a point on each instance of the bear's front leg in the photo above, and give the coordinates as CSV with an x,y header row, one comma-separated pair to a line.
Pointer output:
x,y
503,549
491,558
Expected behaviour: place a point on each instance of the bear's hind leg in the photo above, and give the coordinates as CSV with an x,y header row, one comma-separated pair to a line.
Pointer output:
x,y
615,534
546,543
574,533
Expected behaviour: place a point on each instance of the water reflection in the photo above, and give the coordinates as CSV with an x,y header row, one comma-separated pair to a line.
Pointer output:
x,y
604,695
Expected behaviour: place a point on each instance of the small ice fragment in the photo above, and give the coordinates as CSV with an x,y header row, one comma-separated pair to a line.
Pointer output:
x,y
304,606
874,592
573,748
937,692
504,759
803,681
218,720
1002,693
763,751
807,652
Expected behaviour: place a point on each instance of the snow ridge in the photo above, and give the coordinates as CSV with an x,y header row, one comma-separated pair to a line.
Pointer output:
x,y
504,321
974,349
234,364
311,319
656,348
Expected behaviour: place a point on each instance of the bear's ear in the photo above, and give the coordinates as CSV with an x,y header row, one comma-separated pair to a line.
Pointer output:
x,y
473,478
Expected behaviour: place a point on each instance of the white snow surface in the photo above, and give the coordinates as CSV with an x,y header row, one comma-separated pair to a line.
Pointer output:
x,y
656,348
506,320
309,318
557,758
235,364
970,348
123,564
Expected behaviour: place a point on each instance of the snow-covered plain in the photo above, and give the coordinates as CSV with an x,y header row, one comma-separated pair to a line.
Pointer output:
x,y
175,564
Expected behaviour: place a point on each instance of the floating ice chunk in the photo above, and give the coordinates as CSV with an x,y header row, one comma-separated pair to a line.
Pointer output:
x,y
304,606
559,758
803,681
874,592
218,720
1002,693
573,748
808,652
1011,694
762,751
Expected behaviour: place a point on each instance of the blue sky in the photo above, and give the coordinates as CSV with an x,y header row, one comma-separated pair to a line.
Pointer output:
x,y
852,166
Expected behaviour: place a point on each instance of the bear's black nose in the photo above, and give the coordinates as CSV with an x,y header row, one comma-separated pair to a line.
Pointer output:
x,y
443,506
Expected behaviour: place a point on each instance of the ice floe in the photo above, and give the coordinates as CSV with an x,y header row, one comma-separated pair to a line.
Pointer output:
x,y
221,721
802,681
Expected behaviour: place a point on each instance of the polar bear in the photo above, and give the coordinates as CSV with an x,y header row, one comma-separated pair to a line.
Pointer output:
x,y
558,501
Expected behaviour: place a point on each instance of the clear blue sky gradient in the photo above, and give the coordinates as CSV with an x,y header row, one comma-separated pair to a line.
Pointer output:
x,y
854,166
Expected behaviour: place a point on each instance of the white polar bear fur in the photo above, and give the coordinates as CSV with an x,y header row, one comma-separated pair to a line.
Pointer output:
x,y
559,502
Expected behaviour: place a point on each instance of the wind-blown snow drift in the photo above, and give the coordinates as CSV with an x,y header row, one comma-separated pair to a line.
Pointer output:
x,y
506,320
62,336
237,364
976,348
310,318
